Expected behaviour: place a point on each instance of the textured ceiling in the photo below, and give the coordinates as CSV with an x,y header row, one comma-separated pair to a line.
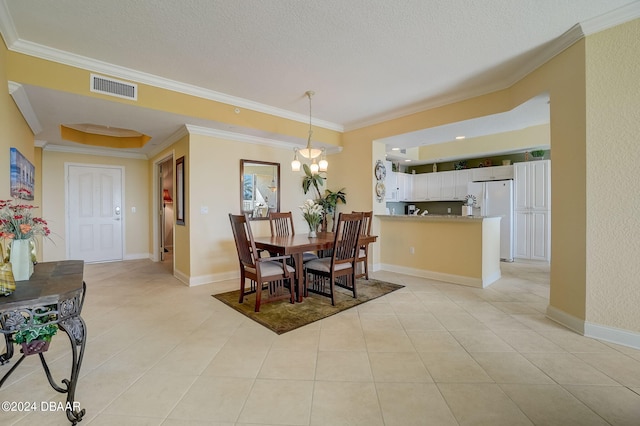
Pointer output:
x,y
367,60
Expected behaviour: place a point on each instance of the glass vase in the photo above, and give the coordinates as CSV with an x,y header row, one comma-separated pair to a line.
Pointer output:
x,y
312,230
21,263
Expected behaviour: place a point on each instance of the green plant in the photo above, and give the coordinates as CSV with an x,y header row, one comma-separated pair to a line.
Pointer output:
x,y
330,199
538,153
37,331
311,179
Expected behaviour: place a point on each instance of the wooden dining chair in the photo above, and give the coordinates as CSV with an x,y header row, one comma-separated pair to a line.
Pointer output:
x,y
271,275
363,251
281,224
322,275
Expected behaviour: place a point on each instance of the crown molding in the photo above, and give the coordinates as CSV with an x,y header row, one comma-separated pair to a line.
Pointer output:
x,y
616,17
554,48
244,138
173,138
70,59
239,137
19,96
574,34
93,151
7,29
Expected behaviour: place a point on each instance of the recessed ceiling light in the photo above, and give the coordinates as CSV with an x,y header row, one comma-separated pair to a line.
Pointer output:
x,y
407,160
395,149
460,137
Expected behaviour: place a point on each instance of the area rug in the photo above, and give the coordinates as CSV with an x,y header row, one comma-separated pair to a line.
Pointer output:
x,y
282,316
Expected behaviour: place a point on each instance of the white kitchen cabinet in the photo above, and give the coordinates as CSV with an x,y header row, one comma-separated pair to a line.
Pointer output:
x,y
434,187
447,185
532,233
532,185
482,174
532,210
391,186
426,187
419,187
463,177
439,186
404,186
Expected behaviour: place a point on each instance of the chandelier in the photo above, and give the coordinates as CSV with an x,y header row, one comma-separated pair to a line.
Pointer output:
x,y
309,152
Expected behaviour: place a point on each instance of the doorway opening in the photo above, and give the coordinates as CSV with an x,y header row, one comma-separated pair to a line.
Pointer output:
x,y
166,196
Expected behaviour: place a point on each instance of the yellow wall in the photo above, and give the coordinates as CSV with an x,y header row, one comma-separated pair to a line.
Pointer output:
x,y
613,177
215,184
15,133
14,130
433,243
483,145
39,72
135,184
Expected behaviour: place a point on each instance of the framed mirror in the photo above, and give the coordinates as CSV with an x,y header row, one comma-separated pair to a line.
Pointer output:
x,y
259,188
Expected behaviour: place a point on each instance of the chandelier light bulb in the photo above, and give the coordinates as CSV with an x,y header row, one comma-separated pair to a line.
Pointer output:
x,y
295,164
314,167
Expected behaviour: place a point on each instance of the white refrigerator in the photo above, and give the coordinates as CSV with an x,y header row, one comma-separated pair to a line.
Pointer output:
x,y
495,198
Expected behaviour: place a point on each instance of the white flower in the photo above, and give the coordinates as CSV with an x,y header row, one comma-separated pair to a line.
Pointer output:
x,y
312,212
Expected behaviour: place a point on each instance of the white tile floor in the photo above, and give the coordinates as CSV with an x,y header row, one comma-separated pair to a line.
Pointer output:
x,y
432,353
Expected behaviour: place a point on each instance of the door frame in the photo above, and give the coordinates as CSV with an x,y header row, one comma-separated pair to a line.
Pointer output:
x,y
157,206
123,232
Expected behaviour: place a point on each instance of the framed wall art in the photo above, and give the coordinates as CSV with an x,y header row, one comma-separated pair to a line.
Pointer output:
x,y
179,201
22,175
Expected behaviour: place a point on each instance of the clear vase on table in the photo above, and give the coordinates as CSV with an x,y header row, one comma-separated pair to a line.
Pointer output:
x,y
312,213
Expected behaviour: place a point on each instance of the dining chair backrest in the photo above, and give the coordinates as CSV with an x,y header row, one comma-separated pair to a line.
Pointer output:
x,y
281,224
365,229
347,233
269,275
244,239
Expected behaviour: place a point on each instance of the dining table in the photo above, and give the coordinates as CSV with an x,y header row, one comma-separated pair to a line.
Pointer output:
x,y
295,245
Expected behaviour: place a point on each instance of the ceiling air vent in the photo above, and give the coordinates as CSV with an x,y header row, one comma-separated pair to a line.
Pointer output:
x,y
113,87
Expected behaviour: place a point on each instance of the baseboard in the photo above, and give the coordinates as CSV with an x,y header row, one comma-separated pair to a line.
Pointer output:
x,y
487,281
205,279
612,335
596,331
137,256
565,319
439,276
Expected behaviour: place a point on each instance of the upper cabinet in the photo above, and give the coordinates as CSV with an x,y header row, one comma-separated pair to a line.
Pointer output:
x,y
391,186
532,185
404,186
463,177
491,173
448,185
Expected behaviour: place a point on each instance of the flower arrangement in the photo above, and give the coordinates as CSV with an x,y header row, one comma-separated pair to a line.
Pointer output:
x,y
312,213
17,221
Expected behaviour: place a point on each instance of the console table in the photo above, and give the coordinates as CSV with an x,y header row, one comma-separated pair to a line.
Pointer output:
x,y
55,289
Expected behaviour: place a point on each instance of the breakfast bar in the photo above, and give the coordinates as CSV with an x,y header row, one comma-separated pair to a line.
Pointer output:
x,y
457,249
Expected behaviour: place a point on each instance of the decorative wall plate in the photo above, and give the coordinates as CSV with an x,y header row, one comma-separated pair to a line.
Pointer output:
x,y
380,170
380,190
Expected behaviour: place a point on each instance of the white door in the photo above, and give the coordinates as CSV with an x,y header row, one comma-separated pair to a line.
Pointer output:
x,y
522,233
95,213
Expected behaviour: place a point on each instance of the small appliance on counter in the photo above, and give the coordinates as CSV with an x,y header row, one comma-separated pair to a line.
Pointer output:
x,y
410,209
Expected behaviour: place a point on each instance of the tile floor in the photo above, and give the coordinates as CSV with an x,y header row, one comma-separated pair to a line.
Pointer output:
x,y
432,353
